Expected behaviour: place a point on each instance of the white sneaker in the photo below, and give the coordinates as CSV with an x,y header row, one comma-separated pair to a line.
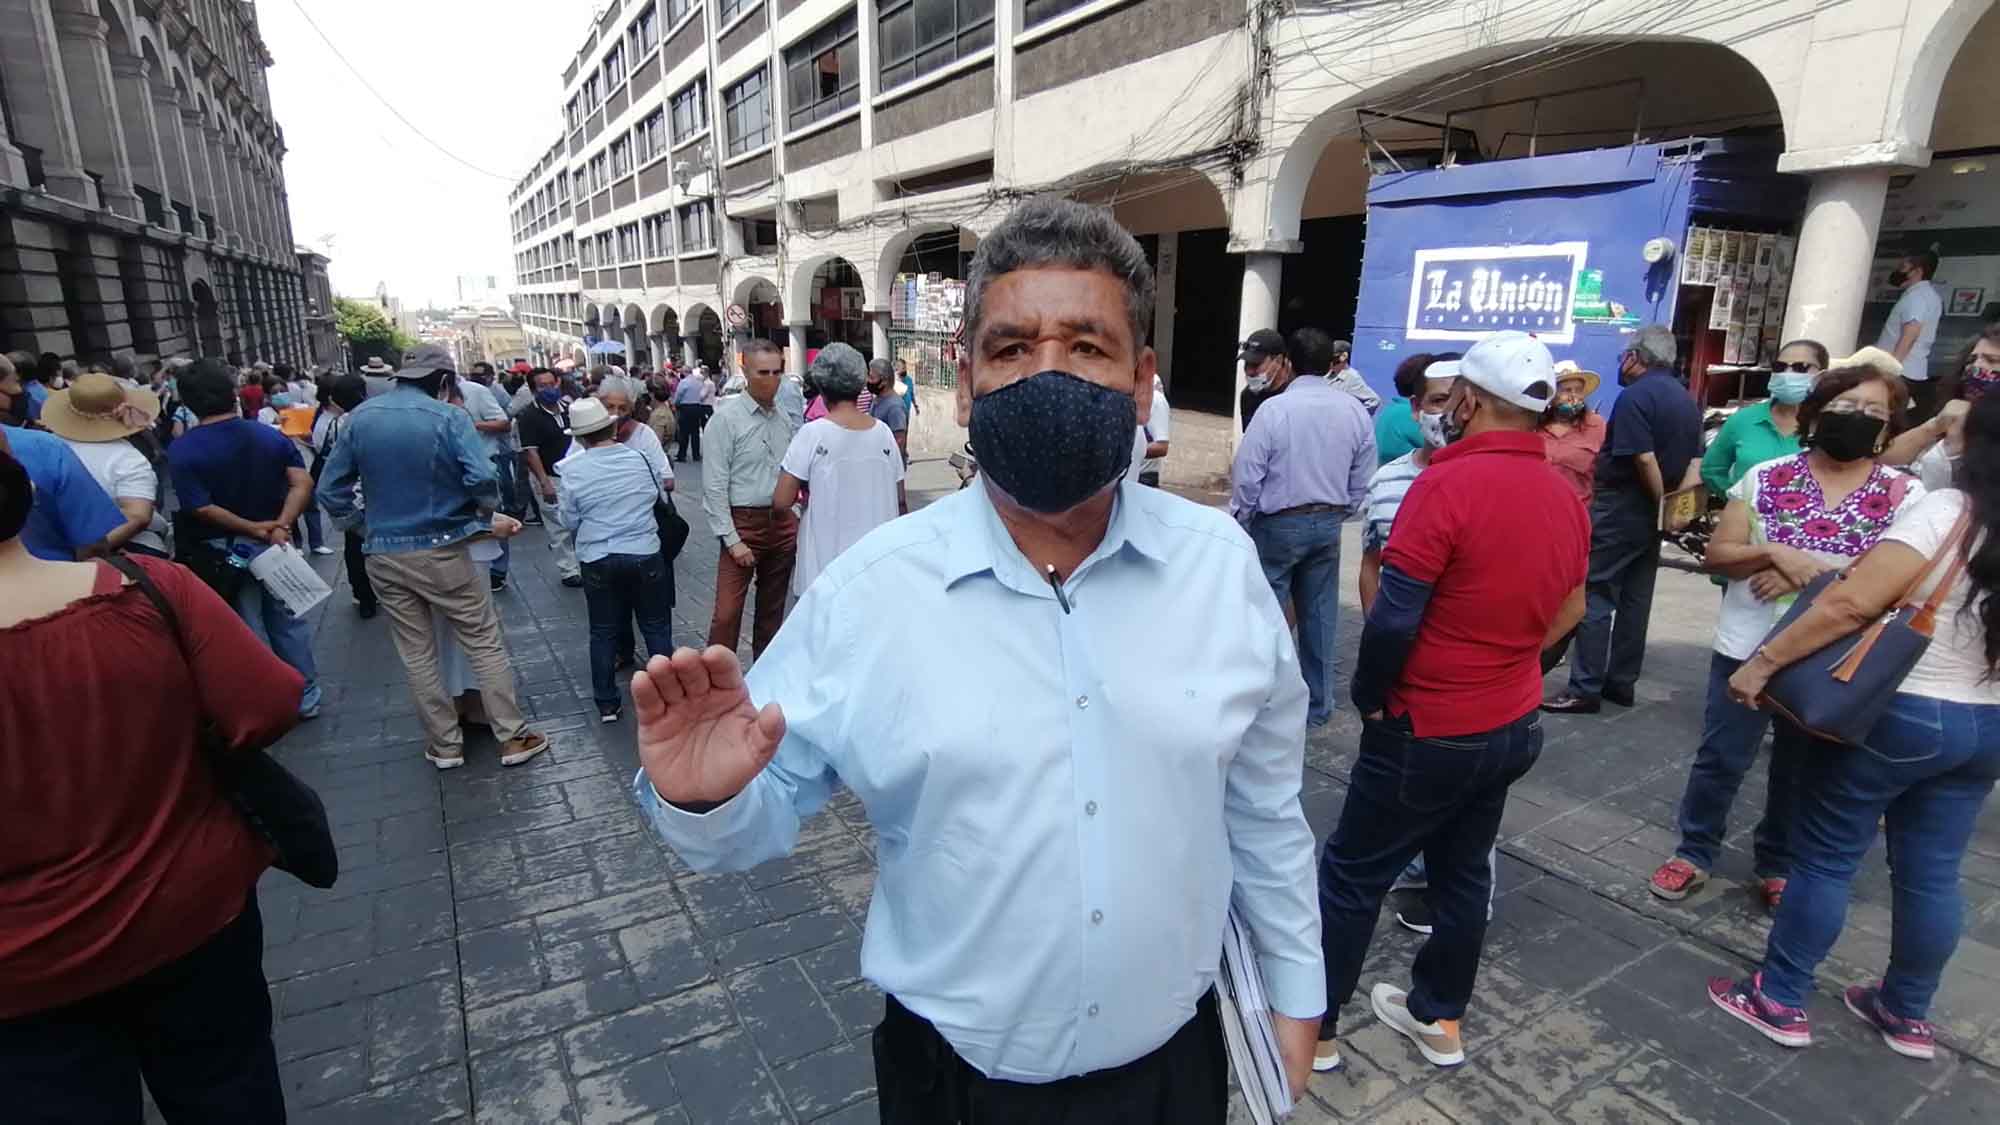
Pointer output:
x,y
1438,1041
322,549
1326,1056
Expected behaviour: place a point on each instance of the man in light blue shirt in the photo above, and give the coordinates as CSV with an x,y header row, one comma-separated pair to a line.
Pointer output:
x,y
1912,327
1061,830
605,497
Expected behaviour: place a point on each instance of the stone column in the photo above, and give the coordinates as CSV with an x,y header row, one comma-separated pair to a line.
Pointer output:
x,y
100,131
1836,253
201,166
795,350
878,327
173,150
1262,268
222,169
13,168
39,98
135,105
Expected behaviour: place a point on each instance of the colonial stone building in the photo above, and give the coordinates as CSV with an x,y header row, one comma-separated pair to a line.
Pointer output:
x,y
142,191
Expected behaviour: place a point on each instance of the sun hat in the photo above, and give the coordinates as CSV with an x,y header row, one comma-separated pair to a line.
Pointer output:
x,y
375,366
1567,369
587,416
1508,366
97,407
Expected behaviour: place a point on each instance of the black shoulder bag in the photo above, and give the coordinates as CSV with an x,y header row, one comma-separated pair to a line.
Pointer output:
x,y
280,808
667,519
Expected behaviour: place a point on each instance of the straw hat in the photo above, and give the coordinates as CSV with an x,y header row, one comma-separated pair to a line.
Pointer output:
x,y
97,407
1567,369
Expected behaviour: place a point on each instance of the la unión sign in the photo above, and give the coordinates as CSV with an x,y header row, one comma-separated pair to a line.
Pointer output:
x,y
1465,292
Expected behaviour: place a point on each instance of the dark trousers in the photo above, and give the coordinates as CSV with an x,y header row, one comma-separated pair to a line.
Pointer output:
x,y
1440,798
920,1080
773,537
617,588
197,1028
1624,562
687,430
510,495
309,522
1924,403
1731,735
524,489
357,572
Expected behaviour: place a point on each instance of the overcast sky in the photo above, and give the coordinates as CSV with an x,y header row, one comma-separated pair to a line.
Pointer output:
x,y
483,78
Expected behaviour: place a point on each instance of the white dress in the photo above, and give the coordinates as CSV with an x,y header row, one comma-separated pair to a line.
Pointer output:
x,y
851,478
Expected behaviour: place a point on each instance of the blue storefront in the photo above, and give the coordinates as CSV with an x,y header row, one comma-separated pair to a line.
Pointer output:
x,y
1580,249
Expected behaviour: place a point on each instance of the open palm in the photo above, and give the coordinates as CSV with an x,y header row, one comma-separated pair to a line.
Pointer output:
x,y
700,738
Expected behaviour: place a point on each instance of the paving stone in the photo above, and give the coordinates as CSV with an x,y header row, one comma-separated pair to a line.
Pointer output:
x,y
647,1029
828,1080
606,914
795,897
782,1011
1846,1075
522,1085
509,823
1471,1094
438,1096
720,1079
414,1029
318,1079
484,870
1967,1096
1358,1086
556,864
858,1008
1683,1096
833,967
418,914
642,1090
1563,1051
499,964
382,876
380,973
526,901
784,938
318,952
625,863
548,1010
316,915
1591,827
1571,960
724,904
316,1032
1606,1105
863,1112
594,956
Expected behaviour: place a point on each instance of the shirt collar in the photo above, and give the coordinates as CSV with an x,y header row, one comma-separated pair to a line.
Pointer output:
x,y
1493,441
980,542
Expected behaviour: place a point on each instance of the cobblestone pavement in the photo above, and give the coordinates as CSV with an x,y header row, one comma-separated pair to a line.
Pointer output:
x,y
513,947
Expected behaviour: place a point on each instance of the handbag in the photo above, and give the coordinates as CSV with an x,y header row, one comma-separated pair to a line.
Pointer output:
x,y
282,810
209,563
1838,692
667,519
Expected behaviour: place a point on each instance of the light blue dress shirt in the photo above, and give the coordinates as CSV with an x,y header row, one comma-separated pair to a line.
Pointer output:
x,y
1067,804
605,495
1312,444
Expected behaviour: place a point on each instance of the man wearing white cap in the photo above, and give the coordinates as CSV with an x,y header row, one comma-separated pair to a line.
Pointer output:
x,y
1485,565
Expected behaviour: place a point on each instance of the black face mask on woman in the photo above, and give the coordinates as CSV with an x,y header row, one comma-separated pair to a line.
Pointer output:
x,y
17,495
1847,437
1052,440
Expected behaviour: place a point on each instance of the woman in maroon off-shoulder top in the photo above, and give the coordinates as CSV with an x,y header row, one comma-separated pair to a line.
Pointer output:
x,y
130,941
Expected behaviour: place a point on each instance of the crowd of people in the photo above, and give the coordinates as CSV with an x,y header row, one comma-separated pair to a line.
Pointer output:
x,y
1047,951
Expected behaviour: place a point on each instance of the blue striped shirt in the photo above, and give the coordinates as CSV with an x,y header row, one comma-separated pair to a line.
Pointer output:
x,y
1386,490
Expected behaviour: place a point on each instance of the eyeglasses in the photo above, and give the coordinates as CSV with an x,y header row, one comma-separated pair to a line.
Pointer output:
x,y
1800,367
1849,406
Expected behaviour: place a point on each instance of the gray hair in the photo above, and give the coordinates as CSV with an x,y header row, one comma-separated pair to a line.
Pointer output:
x,y
621,385
839,372
1654,345
1049,231
881,369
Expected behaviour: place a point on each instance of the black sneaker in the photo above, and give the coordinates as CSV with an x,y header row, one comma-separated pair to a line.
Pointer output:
x,y
366,610
609,714
1415,915
497,581
531,521
574,581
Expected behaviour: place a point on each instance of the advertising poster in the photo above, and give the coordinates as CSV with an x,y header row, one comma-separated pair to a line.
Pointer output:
x,y
1694,255
1760,266
1718,312
1711,263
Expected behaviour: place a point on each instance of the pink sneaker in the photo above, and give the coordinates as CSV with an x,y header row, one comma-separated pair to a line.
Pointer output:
x,y
1745,1000
1912,1039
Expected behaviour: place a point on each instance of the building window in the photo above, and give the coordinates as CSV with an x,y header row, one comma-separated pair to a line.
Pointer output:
x,y
621,157
728,10
582,185
589,260
573,113
593,91
628,242
645,33
823,73
652,136
697,221
604,249
915,37
657,235
614,67
746,114
1042,11
600,167
690,110
678,10
760,236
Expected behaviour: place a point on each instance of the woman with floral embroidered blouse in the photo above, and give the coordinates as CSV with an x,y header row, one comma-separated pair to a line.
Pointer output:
x,y
1789,520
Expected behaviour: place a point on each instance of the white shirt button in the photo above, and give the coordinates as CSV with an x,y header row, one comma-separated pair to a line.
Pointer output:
x,y
1091,1011
1082,701
1096,917
1090,808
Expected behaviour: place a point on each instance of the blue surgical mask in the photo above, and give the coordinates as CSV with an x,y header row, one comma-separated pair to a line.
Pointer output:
x,y
1791,387
549,396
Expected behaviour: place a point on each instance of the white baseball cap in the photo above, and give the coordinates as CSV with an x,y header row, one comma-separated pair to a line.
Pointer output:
x,y
1508,366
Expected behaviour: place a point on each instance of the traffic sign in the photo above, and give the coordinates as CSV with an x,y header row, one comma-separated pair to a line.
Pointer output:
x,y
736,316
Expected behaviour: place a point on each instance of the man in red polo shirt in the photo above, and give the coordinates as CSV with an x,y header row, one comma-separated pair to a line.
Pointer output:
x,y
1484,567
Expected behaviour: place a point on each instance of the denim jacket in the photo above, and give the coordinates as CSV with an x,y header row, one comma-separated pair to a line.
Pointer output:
x,y
428,478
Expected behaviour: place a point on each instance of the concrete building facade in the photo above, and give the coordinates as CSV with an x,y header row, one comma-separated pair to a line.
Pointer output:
x,y
323,343
142,192
792,165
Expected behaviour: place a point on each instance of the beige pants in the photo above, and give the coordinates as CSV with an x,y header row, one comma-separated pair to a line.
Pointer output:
x,y
408,584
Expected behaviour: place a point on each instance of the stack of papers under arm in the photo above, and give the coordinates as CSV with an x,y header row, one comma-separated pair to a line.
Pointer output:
x,y
1246,1026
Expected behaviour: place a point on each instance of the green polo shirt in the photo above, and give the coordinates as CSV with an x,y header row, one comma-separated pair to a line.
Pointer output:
x,y
1748,439
1396,432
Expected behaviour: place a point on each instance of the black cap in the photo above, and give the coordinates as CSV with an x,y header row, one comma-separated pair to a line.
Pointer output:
x,y
1262,344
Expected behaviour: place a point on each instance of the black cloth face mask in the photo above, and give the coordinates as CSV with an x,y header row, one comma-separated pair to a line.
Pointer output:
x,y
1053,440
1847,437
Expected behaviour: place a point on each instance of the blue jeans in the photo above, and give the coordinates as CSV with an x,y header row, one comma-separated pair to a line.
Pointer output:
x,y
1730,737
287,636
1610,645
503,463
617,588
1928,768
1301,558
1407,796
